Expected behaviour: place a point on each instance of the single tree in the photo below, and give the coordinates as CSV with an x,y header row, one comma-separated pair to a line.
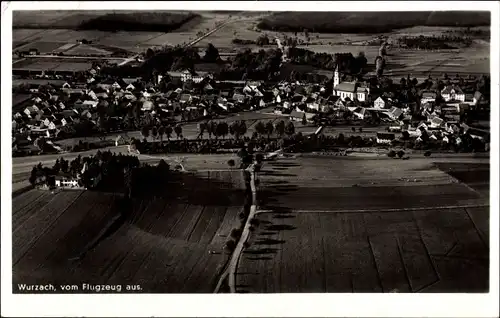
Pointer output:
x,y
260,128
280,128
213,128
201,129
161,133
242,127
33,175
231,163
269,129
304,119
178,131
145,132
236,233
154,132
168,132
230,245
290,129
234,129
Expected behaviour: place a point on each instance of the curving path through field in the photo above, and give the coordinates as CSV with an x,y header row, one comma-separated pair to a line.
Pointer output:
x,y
229,272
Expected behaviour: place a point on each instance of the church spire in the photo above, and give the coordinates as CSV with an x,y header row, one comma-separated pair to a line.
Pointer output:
x,y
336,76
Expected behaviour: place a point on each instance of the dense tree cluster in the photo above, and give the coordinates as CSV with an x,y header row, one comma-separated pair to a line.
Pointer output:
x,y
106,164
434,42
368,22
138,21
242,41
346,62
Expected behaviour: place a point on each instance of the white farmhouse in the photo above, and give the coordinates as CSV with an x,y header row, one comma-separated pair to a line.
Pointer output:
x,y
385,138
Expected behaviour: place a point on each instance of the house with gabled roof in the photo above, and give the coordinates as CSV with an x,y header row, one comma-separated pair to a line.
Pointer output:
x,y
394,113
86,114
92,94
102,95
380,102
130,87
31,110
452,92
428,97
340,103
436,122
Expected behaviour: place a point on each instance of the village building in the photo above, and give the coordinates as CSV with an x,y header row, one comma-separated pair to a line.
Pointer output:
x,y
453,93
428,97
385,138
352,90
381,102
66,182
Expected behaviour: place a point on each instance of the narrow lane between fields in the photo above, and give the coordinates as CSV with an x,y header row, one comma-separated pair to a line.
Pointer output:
x,y
229,272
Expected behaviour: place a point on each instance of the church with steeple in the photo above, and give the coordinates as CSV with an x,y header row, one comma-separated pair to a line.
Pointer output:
x,y
352,90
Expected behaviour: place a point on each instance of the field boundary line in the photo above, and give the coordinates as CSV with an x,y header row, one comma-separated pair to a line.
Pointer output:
x,y
383,210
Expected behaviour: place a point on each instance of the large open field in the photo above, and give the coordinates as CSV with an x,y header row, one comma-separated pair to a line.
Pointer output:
x,y
362,225
52,65
48,39
163,245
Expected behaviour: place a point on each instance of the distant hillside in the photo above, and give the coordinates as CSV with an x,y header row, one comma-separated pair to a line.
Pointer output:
x,y
369,22
104,21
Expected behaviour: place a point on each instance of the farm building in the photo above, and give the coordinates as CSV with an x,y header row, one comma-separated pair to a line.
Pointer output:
x,y
385,138
66,182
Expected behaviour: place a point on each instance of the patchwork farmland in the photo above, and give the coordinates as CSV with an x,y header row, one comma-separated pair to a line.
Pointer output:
x,y
363,225
164,245
472,60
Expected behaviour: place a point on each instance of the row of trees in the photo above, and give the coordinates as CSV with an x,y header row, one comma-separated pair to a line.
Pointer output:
x,y
161,132
346,62
433,42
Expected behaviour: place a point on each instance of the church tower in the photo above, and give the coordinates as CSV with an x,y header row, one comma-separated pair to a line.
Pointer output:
x,y
336,76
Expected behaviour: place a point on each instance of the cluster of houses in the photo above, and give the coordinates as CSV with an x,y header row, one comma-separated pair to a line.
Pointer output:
x,y
53,107
440,111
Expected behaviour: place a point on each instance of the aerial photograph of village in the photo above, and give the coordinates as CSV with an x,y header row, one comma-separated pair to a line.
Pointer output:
x,y
250,152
